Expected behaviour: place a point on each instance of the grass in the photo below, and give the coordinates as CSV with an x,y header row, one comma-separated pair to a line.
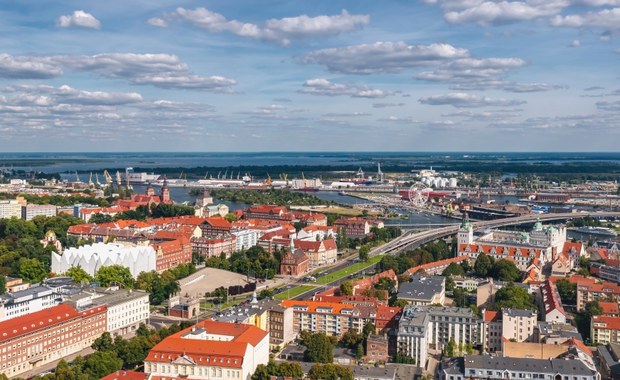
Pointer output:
x,y
294,292
344,272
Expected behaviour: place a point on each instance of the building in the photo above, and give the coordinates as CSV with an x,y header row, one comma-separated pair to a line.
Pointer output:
x,y
10,208
245,238
424,327
605,329
436,267
183,307
485,293
210,350
172,253
126,308
423,290
353,227
320,252
551,303
27,301
377,349
467,283
46,336
295,263
215,245
92,257
32,210
507,324
588,290
125,375
543,244
493,367
609,359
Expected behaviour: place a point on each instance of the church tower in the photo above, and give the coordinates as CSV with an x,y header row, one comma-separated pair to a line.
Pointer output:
x,y
466,232
165,192
149,190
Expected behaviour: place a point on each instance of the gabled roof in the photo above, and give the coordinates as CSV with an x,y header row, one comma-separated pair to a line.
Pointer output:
x,y
125,375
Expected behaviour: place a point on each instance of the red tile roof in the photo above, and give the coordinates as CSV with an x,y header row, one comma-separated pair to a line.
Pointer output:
x,y
492,315
609,307
611,323
125,375
435,264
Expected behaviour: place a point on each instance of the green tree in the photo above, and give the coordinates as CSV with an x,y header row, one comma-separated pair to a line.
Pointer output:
x,y
368,329
450,347
102,363
505,270
483,265
2,284
351,339
346,288
593,308
567,291
453,269
330,372
31,270
318,347
78,275
115,274
100,218
513,297
403,359
364,250
103,343
291,369
261,373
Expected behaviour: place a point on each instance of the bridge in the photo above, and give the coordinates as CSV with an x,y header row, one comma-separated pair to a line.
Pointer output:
x,y
412,240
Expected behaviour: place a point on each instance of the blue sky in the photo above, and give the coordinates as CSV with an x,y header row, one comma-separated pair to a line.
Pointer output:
x,y
321,75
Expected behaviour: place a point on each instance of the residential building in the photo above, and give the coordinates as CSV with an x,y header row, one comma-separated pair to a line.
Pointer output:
x,y
424,327
377,349
551,303
210,350
353,227
27,301
510,324
320,252
423,290
32,210
609,361
125,375
494,367
126,308
362,285
604,329
265,212
245,238
220,210
10,208
45,336
215,245
485,293
215,226
588,290
437,267
172,253
467,283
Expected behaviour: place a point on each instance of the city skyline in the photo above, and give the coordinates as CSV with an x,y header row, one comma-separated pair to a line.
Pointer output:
x,y
430,75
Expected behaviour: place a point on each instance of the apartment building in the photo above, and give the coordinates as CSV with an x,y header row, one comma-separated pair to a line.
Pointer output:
x,y
605,329
510,324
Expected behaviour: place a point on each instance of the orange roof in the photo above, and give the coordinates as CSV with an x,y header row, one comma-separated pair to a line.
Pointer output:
x,y
579,344
434,264
209,352
611,323
608,307
491,315
125,375
313,306
219,222
570,246
39,320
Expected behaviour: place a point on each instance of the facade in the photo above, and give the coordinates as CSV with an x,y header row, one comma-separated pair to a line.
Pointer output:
x,y
320,252
423,290
591,291
295,263
507,324
424,327
210,350
214,246
92,257
126,309
245,238
605,329
377,349
172,253
493,367
353,227
30,211
437,267
551,303
45,336
27,301
10,208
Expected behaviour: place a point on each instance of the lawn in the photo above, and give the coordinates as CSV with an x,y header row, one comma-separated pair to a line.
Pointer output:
x,y
294,292
344,272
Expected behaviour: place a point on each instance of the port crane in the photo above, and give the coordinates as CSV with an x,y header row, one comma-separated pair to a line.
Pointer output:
x,y
90,180
107,177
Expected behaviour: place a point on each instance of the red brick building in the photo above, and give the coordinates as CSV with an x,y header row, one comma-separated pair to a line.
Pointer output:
x,y
295,263
46,336
172,253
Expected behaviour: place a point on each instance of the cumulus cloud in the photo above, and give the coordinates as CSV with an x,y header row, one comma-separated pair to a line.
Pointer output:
x,y
184,81
473,73
382,57
531,87
608,19
322,86
28,67
79,19
72,95
575,43
281,31
466,100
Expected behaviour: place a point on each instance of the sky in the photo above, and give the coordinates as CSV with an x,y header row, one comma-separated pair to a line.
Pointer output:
x,y
320,75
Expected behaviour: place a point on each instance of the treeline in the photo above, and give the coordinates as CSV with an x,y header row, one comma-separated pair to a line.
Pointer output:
x,y
61,200
431,252
143,213
270,197
254,260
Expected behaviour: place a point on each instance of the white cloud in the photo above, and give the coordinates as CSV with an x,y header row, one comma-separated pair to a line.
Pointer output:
x,y
575,43
531,87
322,86
490,12
608,106
183,81
28,67
386,105
608,19
281,31
463,100
382,57
74,96
79,19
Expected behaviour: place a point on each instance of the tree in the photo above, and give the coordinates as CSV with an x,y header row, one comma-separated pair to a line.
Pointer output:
x,y
567,291
368,329
2,284
403,359
593,308
78,275
351,339
386,283
115,274
103,343
364,250
450,347
318,347
453,269
505,270
261,373
346,288
290,369
102,363
513,297
100,218
31,270
330,372
483,265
